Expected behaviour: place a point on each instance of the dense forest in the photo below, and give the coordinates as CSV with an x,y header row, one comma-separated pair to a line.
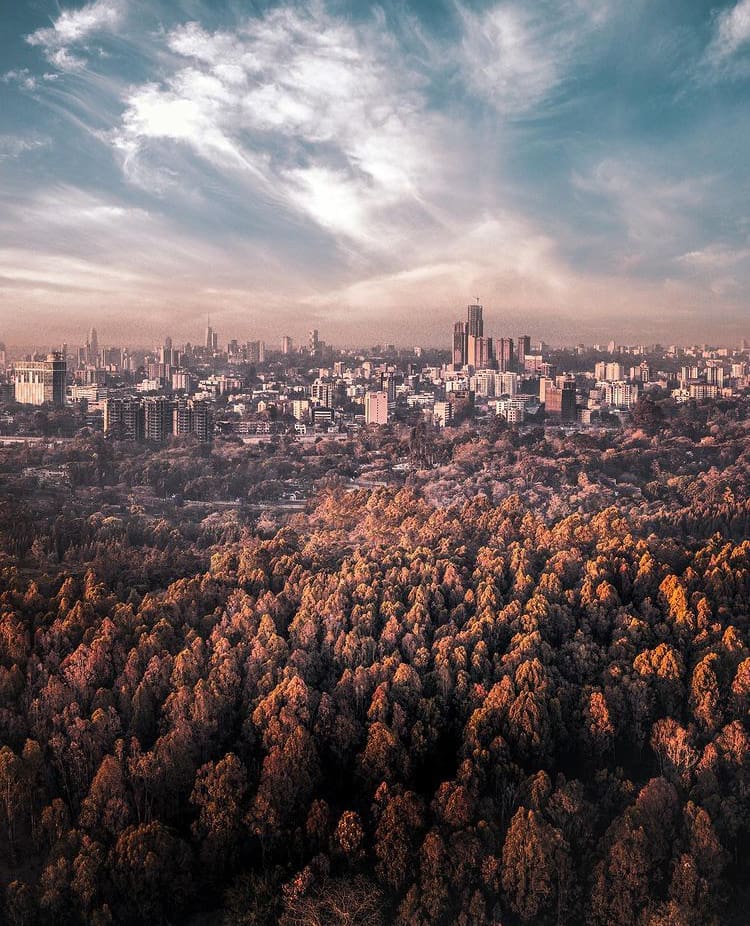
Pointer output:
x,y
510,686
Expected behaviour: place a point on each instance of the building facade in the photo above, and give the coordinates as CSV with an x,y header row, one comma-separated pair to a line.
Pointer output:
x,y
39,382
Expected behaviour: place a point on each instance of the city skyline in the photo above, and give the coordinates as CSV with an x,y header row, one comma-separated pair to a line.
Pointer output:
x,y
360,170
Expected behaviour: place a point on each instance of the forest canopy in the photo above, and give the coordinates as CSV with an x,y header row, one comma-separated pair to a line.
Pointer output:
x,y
512,689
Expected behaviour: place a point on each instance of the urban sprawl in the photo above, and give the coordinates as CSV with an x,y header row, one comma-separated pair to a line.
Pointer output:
x,y
250,391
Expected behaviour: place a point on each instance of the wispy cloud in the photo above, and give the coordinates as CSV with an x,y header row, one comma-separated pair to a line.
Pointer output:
x,y
319,115
732,30
656,209
13,146
64,40
355,162
714,257
517,55
725,56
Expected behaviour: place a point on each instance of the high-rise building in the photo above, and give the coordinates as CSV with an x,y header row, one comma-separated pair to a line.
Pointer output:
x,y
376,408
465,337
157,415
459,343
287,345
167,354
256,352
505,355
388,386
193,416
123,418
209,343
620,394
313,343
715,375
40,381
323,392
506,384
608,371
523,349
479,352
442,413
560,401
92,347
475,324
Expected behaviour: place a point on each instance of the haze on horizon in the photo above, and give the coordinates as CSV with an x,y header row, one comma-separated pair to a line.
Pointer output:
x,y
366,169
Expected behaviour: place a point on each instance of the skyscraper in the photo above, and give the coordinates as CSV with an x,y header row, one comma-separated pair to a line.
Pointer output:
x,y
523,349
287,345
209,336
459,343
40,381
505,354
475,324
92,347
313,342
466,336
479,352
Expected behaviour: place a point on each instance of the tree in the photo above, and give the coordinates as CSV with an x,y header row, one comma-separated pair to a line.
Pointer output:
x,y
152,869
536,868
219,794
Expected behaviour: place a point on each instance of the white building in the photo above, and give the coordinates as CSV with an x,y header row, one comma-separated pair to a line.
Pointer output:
x,y
513,410
620,394
376,408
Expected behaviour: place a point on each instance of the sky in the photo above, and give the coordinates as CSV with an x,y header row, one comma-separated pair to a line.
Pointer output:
x,y
580,166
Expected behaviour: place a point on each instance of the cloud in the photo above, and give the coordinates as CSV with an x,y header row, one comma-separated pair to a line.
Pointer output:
x,y
517,55
304,109
13,146
714,257
655,208
22,77
366,167
73,28
732,30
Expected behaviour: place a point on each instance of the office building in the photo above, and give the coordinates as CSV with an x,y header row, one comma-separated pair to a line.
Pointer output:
x,y
287,345
376,408
459,344
523,349
313,344
256,352
505,356
92,348
475,323
38,382
469,345
560,401
479,352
